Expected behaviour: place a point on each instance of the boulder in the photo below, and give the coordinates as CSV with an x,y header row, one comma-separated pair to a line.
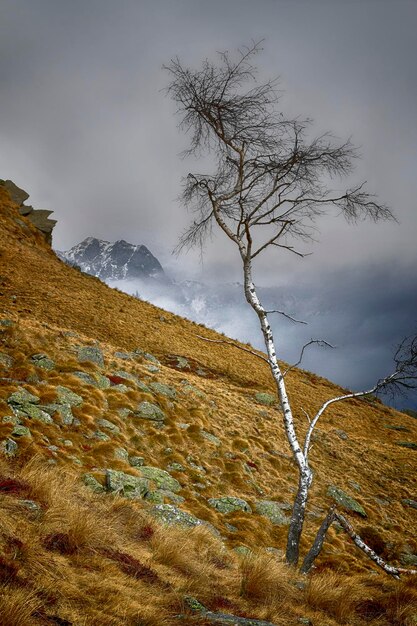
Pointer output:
x,y
68,397
92,483
272,511
229,504
108,425
35,413
91,353
22,397
6,361
163,479
345,501
164,390
126,484
173,516
43,361
149,411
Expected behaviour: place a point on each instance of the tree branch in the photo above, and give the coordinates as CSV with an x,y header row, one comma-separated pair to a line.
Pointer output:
x,y
235,345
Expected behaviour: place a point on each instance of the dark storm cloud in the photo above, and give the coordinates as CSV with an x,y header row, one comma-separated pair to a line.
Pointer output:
x,y
85,128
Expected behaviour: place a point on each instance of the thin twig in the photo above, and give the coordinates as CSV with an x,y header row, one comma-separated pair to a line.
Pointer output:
x,y
235,345
290,317
319,342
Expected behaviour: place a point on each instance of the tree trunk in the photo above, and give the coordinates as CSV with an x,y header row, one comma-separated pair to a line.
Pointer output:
x,y
297,517
318,542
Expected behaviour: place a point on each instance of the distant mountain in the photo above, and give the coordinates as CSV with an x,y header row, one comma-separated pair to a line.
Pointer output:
x,y
113,261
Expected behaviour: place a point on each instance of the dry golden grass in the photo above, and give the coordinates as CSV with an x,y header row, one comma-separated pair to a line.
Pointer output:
x,y
103,561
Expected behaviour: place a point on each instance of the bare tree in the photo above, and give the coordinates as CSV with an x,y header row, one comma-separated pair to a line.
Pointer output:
x,y
269,185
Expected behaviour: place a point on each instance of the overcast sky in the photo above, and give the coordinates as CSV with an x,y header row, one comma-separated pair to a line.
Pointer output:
x,y
87,131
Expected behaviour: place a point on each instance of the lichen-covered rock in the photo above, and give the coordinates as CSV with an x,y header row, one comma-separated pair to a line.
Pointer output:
x,y
153,369
160,495
92,483
409,502
212,438
164,390
126,484
136,461
163,479
175,467
345,501
35,413
265,398
90,353
108,425
125,375
95,380
171,515
6,361
101,436
9,448
408,559
66,396
122,454
11,419
124,412
43,361
22,396
242,550
6,323
182,363
229,504
21,431
272,511
63,411
149,411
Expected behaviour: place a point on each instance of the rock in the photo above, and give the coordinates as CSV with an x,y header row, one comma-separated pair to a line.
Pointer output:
x,y
6,361
153,369
231,528
35,413
341,434
125,356
172,515
90,353
175,467
182,363
395,427
356,486
149,411
126,484
21,397
125,375
11,419
92,483
66,396
43,361
164,390
101,436
122,454
242,550
120,387
265,398
63,410
163,479
212,438
272,511
345,501
229,504
9,448
21,431
136,461
160,495
408,559
407,444
95,380
6,323
124,412
33,507
108,425
409,502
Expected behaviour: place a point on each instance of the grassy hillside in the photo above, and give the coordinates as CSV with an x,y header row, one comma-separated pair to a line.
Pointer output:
x,y
114,415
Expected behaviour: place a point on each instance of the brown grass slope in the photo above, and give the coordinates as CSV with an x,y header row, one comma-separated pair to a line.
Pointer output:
x,y
86,559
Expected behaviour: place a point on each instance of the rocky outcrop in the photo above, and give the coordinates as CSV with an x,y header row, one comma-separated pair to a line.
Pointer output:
x,y
39,217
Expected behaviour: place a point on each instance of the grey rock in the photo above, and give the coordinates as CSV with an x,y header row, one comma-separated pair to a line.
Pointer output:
x,y
408,559
21,431
229,504
345,501
149,411
101,436
163,479
63,411
122,454
242,550
5,360
153,369
66,396
175,467
22,396
90,353
6,323
265,398
35,413
136,461
92,483
164,390
108,425
11,419
95,380
272,511
126,484
43,361
9,448
160,495
172,515
210,437
407,444
409,502
341,434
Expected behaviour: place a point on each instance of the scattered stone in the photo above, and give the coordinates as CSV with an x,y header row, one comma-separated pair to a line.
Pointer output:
x,y
66,396
160,495
108,425
9,448
100,436
21,431
67,443
407,444
63,410
136,461
408,559
189,388
345,501
21,397
409,502
124,412
182,363
231,528
43,361
126,484
163,479
11,419
33,507
175,467
229,504
125,356
90,353
172,515
153,369
125,375
279,554
92,483
242,550
341,434
35,413
122,454
6,323
6,360
149,411
120,387
273,511
184,426
356,486
265,398
95,380
305,621
164,390
142,386
395,427
210,437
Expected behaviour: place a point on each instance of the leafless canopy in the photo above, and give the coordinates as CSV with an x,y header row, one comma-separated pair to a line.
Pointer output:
x,y
268,172
404,377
